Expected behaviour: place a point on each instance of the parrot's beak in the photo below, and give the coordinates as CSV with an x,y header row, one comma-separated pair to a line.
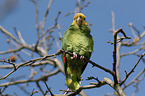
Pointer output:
x,y
79,21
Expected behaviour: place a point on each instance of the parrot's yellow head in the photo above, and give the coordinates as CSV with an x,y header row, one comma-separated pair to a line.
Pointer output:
x,y
79,19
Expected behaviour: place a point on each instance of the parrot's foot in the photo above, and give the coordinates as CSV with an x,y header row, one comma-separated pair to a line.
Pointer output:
x,y
82,58
74,55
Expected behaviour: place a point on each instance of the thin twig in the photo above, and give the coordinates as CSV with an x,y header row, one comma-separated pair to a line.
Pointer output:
x,y
48,88
80,6
46,13
131,28
130,53
37,25
134,80
9,34
101,67
127,75
113,22
38,85
12,51
32,80
33,92
46,62
20,36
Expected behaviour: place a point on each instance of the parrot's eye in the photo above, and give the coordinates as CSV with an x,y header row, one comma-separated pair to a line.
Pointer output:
x,y
84,18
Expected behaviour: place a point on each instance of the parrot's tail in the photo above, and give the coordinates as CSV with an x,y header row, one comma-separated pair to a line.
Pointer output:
x,y
73,84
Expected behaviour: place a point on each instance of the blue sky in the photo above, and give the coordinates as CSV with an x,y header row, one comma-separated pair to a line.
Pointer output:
x,y
98,13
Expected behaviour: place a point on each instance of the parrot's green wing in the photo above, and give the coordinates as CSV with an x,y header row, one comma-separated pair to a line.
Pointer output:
x,y
76,39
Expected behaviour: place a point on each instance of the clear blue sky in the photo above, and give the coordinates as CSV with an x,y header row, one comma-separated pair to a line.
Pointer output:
x,y
99,14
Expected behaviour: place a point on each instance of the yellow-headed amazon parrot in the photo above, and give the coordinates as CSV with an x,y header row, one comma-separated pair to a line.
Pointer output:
x,y
77,39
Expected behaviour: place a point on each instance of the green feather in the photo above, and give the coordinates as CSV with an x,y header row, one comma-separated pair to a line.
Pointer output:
x,y
76,39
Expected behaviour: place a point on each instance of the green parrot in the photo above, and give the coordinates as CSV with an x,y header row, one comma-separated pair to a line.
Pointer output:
x,y
78,40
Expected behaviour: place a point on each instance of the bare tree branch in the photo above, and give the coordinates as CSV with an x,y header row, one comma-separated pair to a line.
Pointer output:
x,y
135,79
9,34
114,52
48,89
32,80
37,25
128,74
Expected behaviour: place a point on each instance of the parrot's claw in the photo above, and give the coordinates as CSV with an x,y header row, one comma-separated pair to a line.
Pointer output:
x,y
74,55
82,58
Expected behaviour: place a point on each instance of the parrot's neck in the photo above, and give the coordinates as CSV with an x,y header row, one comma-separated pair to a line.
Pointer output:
x,y
83,29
